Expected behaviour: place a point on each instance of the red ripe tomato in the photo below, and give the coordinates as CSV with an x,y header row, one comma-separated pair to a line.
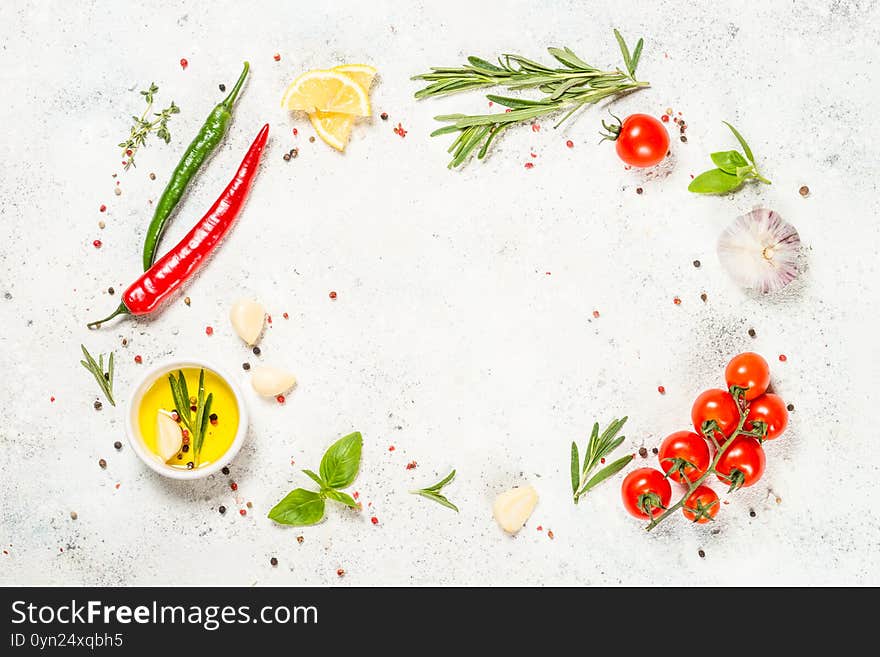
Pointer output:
x,y
701,505
642,141
750,371
769,409
684,456
646,492
718,405
742,463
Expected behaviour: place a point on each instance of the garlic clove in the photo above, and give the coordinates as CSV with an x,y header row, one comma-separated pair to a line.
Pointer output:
x,y
168,436
512,508
247,319
270,382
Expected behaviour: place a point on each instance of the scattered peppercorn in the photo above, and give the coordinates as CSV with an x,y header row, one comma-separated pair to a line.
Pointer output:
x,y
98,405
643,452
222,87
117,445
654,450
209,330
661,390
701,553
124,342
286,157
102,463
222,509
333,294
153,175
184,63
245,366
110,290
804,191
665,118
185,448
639,190
280,399
752,333
569,143
704,297
790,407
233,486
530,165
286,316
596,314
103,208
697,264
752,513
676,301
213,418
186,301
256,351
384,116
300,539
684,139
190,465
340,572
242,512
273,561
412,465
225,470
97,244
102,225
294,153
117,191
276,57
250,505
374,520
311,140
782,358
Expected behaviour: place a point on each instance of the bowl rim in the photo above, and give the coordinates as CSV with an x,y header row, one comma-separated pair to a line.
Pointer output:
x,y
140,387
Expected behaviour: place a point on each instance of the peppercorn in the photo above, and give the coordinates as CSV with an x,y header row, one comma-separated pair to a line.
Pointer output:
x,y
256,351
102,225
184,449
294,152
124,342
110,290
311,140
73,515
102,463
273,561
384,116
804,191
117,191
286,157
752,333
190,465
704,297
684,139
333,294
300,539
222,509
225,470
701,553
639,190
245,366
752,513
222,87
186,301
654,450
697,264
213,417
790,407
250,505
152,176
98,405
233,486
643,452
242,512
117,445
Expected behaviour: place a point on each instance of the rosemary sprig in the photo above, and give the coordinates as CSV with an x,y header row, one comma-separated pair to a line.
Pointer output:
x,y
598,447
568,88
197,424
104,378
143,126
433,492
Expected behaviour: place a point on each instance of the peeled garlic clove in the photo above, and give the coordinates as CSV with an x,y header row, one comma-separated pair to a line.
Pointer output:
x,y
270,382
247,319
168,436
514,507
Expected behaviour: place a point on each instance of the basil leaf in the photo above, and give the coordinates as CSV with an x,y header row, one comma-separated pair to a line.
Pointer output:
x,y
608,471
729,161
299,507
742,142
339,496
714,181
316,478
341,461
575,462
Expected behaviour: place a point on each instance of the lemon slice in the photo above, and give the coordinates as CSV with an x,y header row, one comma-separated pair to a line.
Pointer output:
x,y
326,91
363,74
333,127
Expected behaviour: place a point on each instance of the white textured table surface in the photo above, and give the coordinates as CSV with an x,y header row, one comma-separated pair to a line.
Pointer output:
x,y
463,333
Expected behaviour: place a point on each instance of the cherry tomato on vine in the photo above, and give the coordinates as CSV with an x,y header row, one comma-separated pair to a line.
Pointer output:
x,y
718,405
701,505
748,370
742,464
641,140
645,492
684,456
769,409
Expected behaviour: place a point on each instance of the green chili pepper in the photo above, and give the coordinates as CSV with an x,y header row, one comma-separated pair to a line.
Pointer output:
x,y
209,137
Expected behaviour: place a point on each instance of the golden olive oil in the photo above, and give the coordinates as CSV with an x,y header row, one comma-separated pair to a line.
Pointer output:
x,y
220,435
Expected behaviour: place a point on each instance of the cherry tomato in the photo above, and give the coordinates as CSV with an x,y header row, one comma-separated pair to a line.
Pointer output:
x,y
701,505
718,405
642,141
644,490
680,449
742,463
769,409
750,371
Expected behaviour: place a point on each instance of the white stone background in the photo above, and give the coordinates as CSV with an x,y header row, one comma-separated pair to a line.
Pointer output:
x,y
448,339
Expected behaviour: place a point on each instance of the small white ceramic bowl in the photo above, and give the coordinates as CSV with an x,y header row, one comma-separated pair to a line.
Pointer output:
x,y
137,441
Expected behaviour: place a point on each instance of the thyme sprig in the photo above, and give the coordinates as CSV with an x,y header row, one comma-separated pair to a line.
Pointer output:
x,y
196,422
143,126
570,87
598,447
96,367
433,492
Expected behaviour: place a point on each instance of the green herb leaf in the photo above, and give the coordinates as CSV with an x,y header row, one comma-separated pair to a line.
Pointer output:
x,y
575,472
715,181
440,484
299,507
314,477
636,56
341,461
608,471
339,496
433,492
729,161
598,447
742,142
627,59
103,378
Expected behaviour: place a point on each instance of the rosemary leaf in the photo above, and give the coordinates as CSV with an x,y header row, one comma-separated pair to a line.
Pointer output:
x,y
433,492
102,376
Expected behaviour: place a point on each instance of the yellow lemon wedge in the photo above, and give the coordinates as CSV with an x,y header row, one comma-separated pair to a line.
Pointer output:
x,y
326,91
333,127
363,74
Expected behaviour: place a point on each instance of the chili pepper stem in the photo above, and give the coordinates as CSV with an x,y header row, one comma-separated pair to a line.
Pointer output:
x,y
122,310
230,99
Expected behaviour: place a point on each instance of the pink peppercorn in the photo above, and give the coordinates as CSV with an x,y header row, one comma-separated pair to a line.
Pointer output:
x,y
209,330
569,143
530,165
374,520
280,399
138,359
661,390
183,63
97,244
782,358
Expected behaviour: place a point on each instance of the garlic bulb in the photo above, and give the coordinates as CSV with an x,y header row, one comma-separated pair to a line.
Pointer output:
x,y
270,382
247,319
512,508
169,437
760,251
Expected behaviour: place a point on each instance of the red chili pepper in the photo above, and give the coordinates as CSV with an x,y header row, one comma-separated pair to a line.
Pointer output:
x,y
175,267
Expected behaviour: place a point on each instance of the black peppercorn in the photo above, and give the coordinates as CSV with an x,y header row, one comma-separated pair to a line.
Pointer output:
x,y
384,116
190,465
185,449
222,509
790,407
643,452
102,463
752,333
98,405
654,450
245,366
256,351
110,290
684,139
752,513
222,87
286,157
702,554
639,190
117,445
273,561
225,470
697,264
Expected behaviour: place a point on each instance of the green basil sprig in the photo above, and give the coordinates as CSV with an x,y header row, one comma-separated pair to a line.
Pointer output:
x,y
338,469
733,170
